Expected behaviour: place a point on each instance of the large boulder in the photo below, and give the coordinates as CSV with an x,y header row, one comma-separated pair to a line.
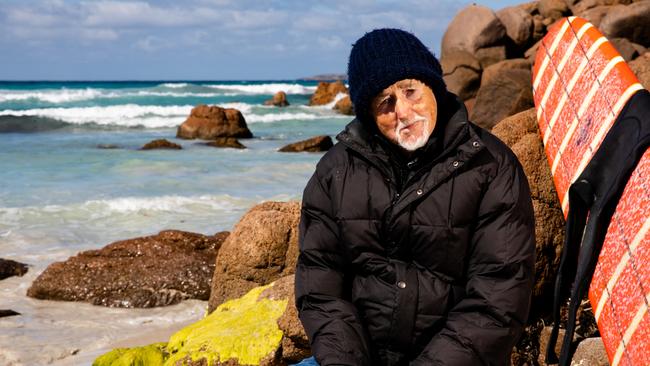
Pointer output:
x,y
161,144
326,92
579,7
279,100
487,56
461,72
641,68
242,331
595,15
9,268
295,343
553,9
262,248
628,50
590,351
314,144
474,27
508,92
518,23
209,122
628,21
493,71
150,271
521,133
344,106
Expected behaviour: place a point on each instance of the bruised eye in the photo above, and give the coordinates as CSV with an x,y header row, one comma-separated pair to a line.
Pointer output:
x,y
384,104
411,94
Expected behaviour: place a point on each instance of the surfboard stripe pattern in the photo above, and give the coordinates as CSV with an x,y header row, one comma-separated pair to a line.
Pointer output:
x,y
582,81
588,84
620,288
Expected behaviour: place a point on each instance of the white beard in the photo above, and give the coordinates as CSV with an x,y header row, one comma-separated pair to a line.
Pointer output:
x,y
408,143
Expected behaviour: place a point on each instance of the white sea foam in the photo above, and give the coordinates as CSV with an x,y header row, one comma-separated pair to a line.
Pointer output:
x,y
331,104
174,85
128,115
271,88
274,117
132,115
58,96
76,95
100,209
175,204
51,96
171,90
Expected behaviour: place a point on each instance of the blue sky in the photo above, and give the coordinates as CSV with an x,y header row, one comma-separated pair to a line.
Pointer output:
x,y
202,39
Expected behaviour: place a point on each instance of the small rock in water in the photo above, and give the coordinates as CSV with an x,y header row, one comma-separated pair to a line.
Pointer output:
x,y
5,313
9,268
326,92
278,100
314,144
209,122
161,144
226,142
108,146
344,106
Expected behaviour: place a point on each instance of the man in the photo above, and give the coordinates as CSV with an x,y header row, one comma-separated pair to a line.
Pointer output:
x,y
417,229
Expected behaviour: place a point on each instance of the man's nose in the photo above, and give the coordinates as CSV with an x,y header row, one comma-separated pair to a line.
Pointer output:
x,y
402,108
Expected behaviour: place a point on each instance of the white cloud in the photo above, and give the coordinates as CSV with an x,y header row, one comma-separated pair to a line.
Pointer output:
x,y
330,42
140,14
30,18
100,34
253,19
316,22
152,44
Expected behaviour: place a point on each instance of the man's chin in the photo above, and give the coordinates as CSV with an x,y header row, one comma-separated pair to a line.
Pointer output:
x,y
412,144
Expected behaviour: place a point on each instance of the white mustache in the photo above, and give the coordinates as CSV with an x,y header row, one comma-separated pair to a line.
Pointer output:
x,y
403,124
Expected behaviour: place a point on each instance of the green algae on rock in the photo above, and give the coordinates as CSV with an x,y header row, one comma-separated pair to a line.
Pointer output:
x,y
242,331
153,354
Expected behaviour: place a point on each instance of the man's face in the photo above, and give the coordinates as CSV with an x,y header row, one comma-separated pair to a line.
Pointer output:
x,y
406,113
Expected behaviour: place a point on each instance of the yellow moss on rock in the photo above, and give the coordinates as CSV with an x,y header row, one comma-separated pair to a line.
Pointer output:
x,y
153,354
243,329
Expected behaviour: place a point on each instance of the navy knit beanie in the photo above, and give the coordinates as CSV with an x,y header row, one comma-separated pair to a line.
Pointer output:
x,y
385,56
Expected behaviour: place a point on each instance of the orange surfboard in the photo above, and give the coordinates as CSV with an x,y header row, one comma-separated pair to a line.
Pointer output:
x,y
581,85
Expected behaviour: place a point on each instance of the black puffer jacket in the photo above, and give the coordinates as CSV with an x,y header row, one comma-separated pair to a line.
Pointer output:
x,y
429,262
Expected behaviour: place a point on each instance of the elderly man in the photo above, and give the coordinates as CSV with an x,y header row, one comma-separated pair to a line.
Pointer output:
x,y
417,229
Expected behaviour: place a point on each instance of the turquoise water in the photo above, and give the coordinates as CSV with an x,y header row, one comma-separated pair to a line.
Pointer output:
x,y
51,164
61,194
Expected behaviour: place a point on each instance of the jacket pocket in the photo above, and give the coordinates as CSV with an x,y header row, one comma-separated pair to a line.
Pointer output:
x,y
375,301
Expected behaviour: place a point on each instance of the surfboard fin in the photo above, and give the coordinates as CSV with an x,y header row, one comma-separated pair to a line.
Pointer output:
x,y
592,201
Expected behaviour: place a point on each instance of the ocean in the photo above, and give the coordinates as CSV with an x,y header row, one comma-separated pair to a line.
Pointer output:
x,y
61,193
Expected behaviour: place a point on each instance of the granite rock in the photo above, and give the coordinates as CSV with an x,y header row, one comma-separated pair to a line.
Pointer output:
x,y
10,268
149,271
279,100
314,144
161,144
209,122
326,92
262,248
